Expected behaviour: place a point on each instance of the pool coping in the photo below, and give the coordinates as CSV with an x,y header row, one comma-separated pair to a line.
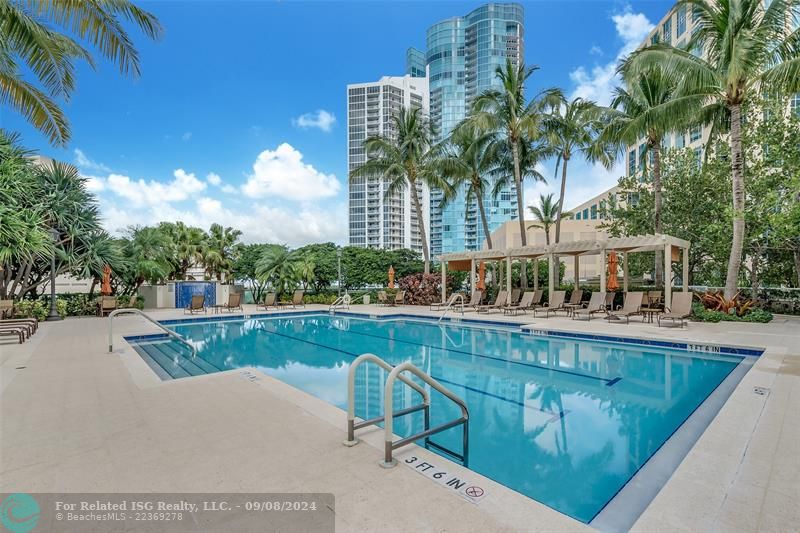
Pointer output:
x,y
608,520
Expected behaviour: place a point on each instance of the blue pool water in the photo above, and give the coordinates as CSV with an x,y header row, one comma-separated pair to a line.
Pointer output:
x,y
565,422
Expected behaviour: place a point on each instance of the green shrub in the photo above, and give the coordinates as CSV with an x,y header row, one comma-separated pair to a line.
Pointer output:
x,y
321,298
709,315
39,309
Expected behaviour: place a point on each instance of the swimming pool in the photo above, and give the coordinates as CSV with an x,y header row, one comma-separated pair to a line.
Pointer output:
x,y
562,420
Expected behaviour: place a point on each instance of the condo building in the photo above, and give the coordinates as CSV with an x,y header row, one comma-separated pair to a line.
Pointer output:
x,y
461,57
377,221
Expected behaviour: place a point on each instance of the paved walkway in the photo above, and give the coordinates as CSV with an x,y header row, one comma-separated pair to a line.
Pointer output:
x,y
77,419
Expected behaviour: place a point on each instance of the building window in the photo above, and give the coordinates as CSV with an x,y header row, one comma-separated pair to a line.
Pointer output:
x,y
666,31
594,212
577,216
642,150
695,134
680,140
586,214
698,157
631,162
681,25
654,38
795,104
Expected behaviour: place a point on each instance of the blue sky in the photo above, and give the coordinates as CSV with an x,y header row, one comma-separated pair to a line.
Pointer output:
x,y
239,114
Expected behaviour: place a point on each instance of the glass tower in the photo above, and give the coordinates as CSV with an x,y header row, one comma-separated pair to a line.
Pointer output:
x,y
462,55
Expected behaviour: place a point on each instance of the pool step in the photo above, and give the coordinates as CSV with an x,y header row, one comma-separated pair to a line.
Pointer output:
x,y
171,357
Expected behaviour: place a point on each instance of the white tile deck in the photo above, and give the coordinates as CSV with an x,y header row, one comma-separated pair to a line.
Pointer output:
x,y
77,419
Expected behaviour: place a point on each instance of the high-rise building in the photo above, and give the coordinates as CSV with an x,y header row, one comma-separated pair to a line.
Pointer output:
x,y
415,63
462,55
375,220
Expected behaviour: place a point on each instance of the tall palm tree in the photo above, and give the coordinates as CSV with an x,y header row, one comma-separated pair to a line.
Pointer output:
x,y
406,158
506,112
746,49
572,128
278,266
221,250
649,109
31,43
469,155
546,214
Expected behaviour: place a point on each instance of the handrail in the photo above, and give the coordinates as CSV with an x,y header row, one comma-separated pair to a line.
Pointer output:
x,y
343,301
453,299
390,446
351,402
169,332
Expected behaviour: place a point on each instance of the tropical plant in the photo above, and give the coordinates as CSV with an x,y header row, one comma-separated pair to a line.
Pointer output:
x,y
276,266
546,213
304,271
469,155
148,252
220,251
188,246
506,113
31,44
406,158
746,47
573,127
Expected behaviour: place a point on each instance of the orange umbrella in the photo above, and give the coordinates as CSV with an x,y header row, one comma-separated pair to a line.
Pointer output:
x,y
105,288
613,283
391,277
482,276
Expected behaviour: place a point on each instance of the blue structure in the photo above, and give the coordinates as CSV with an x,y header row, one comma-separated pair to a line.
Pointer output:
x,y
462,55
184,290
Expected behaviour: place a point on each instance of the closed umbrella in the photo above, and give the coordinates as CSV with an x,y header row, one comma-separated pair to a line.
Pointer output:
x,y
613,283
391,277
105,288
482,276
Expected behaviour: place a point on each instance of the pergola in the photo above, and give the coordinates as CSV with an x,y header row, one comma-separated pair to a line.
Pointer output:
x,y
673,249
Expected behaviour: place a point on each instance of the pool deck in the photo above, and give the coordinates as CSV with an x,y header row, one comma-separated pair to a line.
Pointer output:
x,y
74,418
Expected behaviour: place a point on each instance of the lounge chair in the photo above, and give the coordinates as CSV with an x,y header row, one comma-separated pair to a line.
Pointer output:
x,y
268,301
654,298
196,305
297,300
515,296
25,328
525,303
597,304
105,305
234,302
574,301
610,296
499,302
553,306
6,308
383,299
399,298
680,309
13,332
631,307
538,294
438,306
475,301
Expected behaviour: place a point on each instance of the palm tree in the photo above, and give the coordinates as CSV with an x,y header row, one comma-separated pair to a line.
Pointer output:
x,y
277,267
506,112
148,251
746,49
470,154
649,109
31,43
572,128
406,158
546,214
221,250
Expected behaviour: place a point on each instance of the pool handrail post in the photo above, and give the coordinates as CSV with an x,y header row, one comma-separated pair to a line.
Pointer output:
x,y
147,317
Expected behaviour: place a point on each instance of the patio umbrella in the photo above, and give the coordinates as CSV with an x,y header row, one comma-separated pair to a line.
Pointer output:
x,y
613,283
391,277
105,288
482,276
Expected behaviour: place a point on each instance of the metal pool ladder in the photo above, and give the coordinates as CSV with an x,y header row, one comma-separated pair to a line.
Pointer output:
x,y
340,302
169,332
455,297
395,373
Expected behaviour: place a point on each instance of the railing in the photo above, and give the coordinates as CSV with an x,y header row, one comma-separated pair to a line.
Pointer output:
x,y
147,317
453,299
396,373
342,301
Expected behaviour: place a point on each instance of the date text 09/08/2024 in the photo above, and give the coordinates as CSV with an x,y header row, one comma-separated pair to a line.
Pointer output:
x,y
184,506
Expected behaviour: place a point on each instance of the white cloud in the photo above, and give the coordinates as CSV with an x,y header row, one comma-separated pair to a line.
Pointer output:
x,y
321,119
598,82
282,172
186,136
228,189
213,178
584,181
595,50
84,162
148,193
95,184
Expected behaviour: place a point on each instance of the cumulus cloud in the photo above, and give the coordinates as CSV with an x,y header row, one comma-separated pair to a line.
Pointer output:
x,y
597,83
148,193
213,178
321,119
282,172
84,162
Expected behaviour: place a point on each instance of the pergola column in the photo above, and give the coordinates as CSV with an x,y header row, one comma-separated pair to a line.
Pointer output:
x,y
550,278
473,276
625,272
576,265
685,255
535,273
667,275
508,279
444,280
603,271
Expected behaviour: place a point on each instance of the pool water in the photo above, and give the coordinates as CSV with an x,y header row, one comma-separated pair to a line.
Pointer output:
x,y
565,422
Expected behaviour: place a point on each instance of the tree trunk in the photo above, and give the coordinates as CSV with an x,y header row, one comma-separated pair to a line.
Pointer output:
x,y
421,222
561,197
737,182
797,264
482,211
656,148
518,184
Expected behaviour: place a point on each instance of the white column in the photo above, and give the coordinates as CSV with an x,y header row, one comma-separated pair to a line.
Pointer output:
x,y
444,280
603,271
473,276
625,272
535,264
576,265
550,281
668,275
508,279
685,254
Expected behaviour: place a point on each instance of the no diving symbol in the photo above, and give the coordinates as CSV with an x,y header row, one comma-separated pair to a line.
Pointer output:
x,y
473,492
